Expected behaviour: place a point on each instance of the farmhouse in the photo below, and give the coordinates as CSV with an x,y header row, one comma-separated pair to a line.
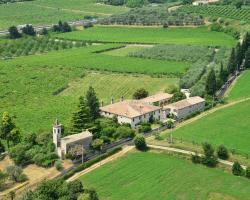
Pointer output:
x,y
185,107
131,112
63,145
158,99
203,2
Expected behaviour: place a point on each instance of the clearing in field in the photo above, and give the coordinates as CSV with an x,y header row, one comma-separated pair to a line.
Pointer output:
x,y
36,95
227,126
151,175
241,88
42,12
198,36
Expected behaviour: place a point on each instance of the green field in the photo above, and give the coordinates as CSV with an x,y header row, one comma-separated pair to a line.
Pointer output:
x,y
241,88
228,126
201,36
41,12
158,176
125,51
87,58
30,92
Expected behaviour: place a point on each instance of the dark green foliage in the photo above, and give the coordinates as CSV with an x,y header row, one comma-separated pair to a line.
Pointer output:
x,y
209,159
211,85
97,144
247,58
223,74
222,152
248,172
237,170
93,103
144,127
186,2
14,33
3,178
177,97
140,94
135,3
232,63
140,143
29,30
152,16
62,27
2,148
238,4
12,1
81,118
196,158
44,31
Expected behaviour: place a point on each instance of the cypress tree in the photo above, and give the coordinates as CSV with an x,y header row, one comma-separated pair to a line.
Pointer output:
x,y
223,73
247,59
81,118
211,83
238,55
93,103
232,64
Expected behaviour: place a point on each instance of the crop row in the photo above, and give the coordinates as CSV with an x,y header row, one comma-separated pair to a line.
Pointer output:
x,y
220,11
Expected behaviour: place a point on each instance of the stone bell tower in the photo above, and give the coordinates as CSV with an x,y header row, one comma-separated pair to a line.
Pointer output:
x,y
57,131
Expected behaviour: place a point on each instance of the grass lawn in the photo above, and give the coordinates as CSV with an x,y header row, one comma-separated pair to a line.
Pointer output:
x,y
151,176
30,93
228,126
51,11
201,36
241,88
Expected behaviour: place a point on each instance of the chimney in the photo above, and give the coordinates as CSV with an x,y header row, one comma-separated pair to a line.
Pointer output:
x,y
122,98
112,100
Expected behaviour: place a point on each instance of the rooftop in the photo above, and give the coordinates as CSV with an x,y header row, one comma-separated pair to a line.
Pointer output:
x,y
185,102
157,97
129,108
76,137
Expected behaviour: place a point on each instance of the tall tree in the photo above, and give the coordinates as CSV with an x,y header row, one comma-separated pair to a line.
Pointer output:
x,y
93,103
223,73
9,132
81,118
247,59
245,43
238,55
211,83
232,63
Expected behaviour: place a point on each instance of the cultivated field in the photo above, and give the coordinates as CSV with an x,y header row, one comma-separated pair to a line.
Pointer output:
x,y
196,36
36,95
227,126
150,176
41,12
241,88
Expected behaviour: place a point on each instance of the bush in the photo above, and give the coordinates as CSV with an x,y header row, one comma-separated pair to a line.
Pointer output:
x,y
140,94
15,173
140,143
58,165
222,152
209,159
171,89
196,158
144,128
2,148
237,170
248,172
124,132
177,97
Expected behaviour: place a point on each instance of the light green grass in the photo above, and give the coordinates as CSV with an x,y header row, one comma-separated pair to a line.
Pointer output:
x,y
27,92
228,126
158,176
201,36
125,51
87,58
41,12
241,88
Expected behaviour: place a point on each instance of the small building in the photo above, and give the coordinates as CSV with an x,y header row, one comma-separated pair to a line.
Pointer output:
x,y
158,99
63,145
185,107
131,112
204,2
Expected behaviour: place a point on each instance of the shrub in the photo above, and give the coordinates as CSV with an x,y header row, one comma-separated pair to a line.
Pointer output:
x,y
209,159
15,173
58,165
248,172
196,158
237,170
177,97
2,148
97,144
140,143
144,127
140,94
222,152
124,132
171,89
